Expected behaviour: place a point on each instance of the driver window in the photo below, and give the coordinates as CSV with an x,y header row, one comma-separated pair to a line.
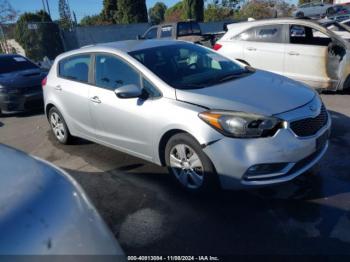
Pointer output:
x,y
152,33
112,73
304,35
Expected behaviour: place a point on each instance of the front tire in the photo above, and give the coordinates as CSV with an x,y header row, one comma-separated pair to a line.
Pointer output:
x,y
59,126
189,165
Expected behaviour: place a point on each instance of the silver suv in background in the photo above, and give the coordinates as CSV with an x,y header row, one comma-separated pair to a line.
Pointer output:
x,y
312,9
212,121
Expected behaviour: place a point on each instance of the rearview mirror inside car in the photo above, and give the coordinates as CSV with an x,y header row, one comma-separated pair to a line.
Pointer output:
x,y
128,91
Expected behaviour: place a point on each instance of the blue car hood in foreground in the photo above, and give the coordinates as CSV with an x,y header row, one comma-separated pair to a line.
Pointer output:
x,y
43,211
260,92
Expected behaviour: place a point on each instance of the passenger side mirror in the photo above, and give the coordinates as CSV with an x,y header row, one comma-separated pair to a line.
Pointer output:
x,y
139,37
128,91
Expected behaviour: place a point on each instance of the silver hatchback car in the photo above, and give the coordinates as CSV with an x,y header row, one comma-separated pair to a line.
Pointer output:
x,y
212,121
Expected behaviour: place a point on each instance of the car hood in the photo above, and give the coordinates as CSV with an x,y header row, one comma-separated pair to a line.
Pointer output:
x,y
261,93
23,78
43,211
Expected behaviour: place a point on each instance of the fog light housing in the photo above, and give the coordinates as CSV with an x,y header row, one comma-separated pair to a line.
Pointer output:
x,y
259,170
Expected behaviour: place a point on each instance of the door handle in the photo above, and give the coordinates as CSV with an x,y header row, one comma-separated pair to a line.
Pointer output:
x,y
95,99
58,88
293,53
251,48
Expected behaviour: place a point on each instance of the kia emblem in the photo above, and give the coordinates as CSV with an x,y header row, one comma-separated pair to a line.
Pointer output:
x,y
313,108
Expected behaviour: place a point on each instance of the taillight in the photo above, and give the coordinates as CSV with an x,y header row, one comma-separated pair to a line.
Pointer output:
x,y
43,82
217,47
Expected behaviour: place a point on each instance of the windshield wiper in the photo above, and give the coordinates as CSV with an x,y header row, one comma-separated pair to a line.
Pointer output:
x,y
231,76
190,86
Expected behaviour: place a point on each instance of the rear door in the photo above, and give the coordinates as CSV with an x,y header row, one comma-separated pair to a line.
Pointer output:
x,y
307,58
72,92
264,47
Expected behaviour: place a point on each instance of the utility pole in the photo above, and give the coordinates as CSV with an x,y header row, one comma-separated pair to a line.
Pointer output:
x,y
48,8
44,7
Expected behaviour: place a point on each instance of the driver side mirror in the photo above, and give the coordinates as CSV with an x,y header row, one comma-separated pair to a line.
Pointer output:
x,y
128,91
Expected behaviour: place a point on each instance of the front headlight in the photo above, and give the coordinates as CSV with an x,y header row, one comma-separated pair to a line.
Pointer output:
x,y
7,90
240,124
2,89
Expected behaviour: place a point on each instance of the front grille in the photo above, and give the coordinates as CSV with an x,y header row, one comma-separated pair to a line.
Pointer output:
x,y
310,126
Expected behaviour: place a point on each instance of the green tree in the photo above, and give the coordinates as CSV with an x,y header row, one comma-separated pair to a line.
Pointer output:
x,y
157,12
38,35
175,13
92,20
217,13
109,12
257,9
132,11
65,20
194,9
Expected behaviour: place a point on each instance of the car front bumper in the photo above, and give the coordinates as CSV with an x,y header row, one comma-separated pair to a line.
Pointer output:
x,y
233,158
21,102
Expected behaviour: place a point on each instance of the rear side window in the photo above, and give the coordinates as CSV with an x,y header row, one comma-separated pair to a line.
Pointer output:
x,y
75,68
152,33
112,73
268,34
166,31
188,28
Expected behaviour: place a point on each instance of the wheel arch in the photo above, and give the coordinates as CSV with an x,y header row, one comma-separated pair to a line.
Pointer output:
x,y
164,140
48,108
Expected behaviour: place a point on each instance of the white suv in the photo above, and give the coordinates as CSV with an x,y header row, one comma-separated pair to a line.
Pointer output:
x,y
299,49
314,9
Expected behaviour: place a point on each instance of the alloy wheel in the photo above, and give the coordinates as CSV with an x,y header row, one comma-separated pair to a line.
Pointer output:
x,y
58,127
187,166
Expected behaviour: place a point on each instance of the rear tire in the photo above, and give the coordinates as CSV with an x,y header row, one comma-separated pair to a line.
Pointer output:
x,y
59,126
189,165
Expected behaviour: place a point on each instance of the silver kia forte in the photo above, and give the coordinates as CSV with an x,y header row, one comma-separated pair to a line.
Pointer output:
x,y
212,121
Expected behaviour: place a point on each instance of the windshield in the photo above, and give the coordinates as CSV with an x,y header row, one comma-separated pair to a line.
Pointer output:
x,y
188,66
10,64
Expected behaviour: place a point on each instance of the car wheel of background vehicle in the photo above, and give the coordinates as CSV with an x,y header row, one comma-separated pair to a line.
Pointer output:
x,y
300,14
189,165
59,126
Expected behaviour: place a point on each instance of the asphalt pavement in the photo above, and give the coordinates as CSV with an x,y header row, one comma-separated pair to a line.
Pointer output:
x,y
150,215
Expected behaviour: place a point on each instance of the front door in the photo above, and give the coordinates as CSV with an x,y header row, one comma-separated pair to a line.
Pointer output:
x,y
307,57
124,123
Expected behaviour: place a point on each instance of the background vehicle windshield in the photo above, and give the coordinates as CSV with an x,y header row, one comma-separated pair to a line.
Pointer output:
x,y
10,64
186,66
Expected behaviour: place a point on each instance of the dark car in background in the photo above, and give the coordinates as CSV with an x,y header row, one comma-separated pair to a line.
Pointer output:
x,y
20,84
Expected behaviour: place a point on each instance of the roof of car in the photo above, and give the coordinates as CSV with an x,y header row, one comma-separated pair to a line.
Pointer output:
x,y
272,21
134,45
247,24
